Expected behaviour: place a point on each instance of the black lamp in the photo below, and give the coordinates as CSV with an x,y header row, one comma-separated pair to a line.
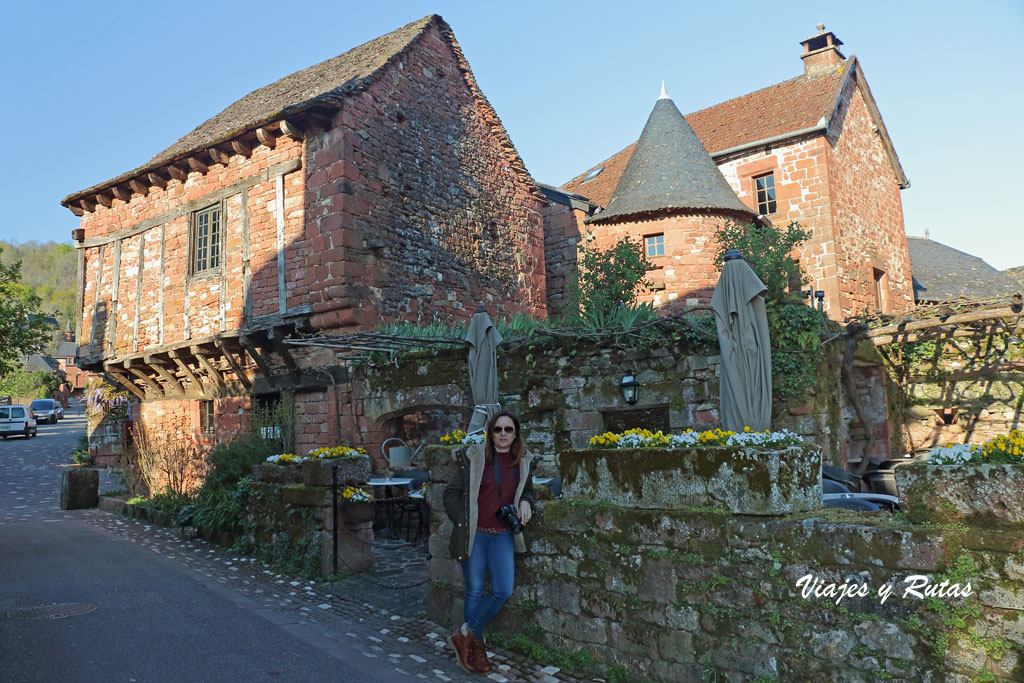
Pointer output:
x,y
630,388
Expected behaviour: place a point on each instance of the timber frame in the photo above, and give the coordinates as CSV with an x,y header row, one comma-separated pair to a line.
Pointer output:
x,y
251,360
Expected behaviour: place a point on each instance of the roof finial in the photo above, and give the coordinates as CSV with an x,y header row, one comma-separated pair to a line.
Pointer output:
x,y
927,234
821,29
664,93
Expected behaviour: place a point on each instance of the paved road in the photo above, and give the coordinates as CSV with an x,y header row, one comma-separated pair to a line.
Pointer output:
x,y
173,609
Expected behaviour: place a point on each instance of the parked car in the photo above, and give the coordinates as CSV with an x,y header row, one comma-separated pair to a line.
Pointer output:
x,y
60,410
45,410
17,419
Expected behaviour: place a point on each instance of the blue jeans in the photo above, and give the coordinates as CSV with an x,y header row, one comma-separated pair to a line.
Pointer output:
x,y
493,553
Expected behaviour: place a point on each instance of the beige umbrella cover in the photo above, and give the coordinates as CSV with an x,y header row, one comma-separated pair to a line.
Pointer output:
x,y
745,396
483,338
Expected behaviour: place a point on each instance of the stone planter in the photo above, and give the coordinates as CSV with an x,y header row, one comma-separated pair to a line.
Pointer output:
x,y
315,472
741,480
356,512
79,489
977,495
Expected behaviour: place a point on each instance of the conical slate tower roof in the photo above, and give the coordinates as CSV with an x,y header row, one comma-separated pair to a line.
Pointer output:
x,y
669,169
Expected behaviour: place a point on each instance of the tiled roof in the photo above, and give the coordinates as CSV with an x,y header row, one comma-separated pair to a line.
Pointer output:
x,y
321,84
787,107
943,273
1016,273
669,169
36,362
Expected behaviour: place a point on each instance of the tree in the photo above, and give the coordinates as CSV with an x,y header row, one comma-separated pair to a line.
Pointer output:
x,y
769,253
22,329
609,280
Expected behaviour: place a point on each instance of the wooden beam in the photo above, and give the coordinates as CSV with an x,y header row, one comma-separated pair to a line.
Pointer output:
x,y
235,367
997,328
241,148
139,186
218,156
197,165
291,130
179,361
177,172
125,382
122,192
87,205
213,372
275,336
158,179
250,346
104,199
76,209
319,118
915,325
149,381
266,138
171,380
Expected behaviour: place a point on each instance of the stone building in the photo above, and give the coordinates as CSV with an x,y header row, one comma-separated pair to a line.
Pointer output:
x,y
812,149
377,185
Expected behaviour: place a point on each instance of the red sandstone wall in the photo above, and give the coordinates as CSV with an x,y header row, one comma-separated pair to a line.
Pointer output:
x,y
415,209
191,307
868,214
563,226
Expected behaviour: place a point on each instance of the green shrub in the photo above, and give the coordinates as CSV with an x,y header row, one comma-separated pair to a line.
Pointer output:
x,y
80,455
609,280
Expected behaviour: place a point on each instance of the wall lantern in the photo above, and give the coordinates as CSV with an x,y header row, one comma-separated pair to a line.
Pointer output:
x,y
630,388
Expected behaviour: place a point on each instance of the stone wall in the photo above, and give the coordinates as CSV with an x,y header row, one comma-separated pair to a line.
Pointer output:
x,y
698,594
563,226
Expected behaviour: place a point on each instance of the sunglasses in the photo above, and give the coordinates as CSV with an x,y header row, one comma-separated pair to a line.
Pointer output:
x,y
506,430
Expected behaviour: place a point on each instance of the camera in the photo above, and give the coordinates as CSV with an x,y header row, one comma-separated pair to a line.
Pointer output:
x,y
508,514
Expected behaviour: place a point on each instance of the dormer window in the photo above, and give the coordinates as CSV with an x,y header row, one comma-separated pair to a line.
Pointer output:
x,y
592,174
764,185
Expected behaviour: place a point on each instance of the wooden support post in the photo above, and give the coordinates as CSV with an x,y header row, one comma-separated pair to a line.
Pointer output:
x,y
213,372
197,165
171,380
104,199
218,156
235,367
276,338
266,138
250,346
121,192
179,361
118,378
177,172
291,130
241,148
146,379
157,179
139,186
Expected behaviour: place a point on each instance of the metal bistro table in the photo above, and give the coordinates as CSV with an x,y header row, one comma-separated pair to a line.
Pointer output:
x,y
386,483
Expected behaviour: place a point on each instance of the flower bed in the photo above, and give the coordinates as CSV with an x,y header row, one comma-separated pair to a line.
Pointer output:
x,y
772,473
973,484
459,437
315,468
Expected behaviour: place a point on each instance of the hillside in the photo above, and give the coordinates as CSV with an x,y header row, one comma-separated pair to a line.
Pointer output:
x,y
49,269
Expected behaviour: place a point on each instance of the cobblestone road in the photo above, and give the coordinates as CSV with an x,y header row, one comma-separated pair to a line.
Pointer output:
x,y
353,615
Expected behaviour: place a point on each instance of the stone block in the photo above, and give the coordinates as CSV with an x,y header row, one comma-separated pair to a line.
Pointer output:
x,y
306,496
355,550
738,479
986,496
79,489
350,471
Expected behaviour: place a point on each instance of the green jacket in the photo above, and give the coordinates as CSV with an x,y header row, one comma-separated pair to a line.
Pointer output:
x,y
460,499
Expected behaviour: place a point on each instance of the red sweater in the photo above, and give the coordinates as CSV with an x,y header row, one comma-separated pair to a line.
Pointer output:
x,y
488,501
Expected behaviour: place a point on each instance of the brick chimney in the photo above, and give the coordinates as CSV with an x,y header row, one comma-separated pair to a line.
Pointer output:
x,y
821,52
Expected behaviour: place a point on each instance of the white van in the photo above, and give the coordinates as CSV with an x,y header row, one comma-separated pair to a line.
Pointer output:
x,y
17,419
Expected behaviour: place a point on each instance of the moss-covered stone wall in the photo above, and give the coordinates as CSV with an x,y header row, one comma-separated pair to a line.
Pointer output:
x,y
567,390
701,594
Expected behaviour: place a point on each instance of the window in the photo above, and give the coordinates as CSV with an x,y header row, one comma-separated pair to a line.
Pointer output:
x,y
880,287
655,245
765,187
593,173
207,423
206,239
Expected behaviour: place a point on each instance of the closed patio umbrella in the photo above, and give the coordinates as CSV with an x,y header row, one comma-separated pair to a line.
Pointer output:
x,y
745,397
483,341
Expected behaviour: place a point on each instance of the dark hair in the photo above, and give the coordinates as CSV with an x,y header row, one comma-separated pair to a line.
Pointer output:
x,y
517,449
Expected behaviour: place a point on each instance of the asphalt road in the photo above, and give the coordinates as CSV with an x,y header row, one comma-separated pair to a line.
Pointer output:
x,y
155,618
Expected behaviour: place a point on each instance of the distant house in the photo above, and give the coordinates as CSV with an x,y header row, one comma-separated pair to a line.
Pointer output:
x,y
812,149
943,273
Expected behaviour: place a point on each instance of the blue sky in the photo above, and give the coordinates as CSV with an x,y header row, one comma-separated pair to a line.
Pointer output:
x,y
91,90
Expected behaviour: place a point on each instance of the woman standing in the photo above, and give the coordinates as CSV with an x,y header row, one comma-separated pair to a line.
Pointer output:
x,y
494,481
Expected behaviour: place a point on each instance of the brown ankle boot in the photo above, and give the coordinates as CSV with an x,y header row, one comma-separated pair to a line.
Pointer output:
x,y
463,646
478,655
